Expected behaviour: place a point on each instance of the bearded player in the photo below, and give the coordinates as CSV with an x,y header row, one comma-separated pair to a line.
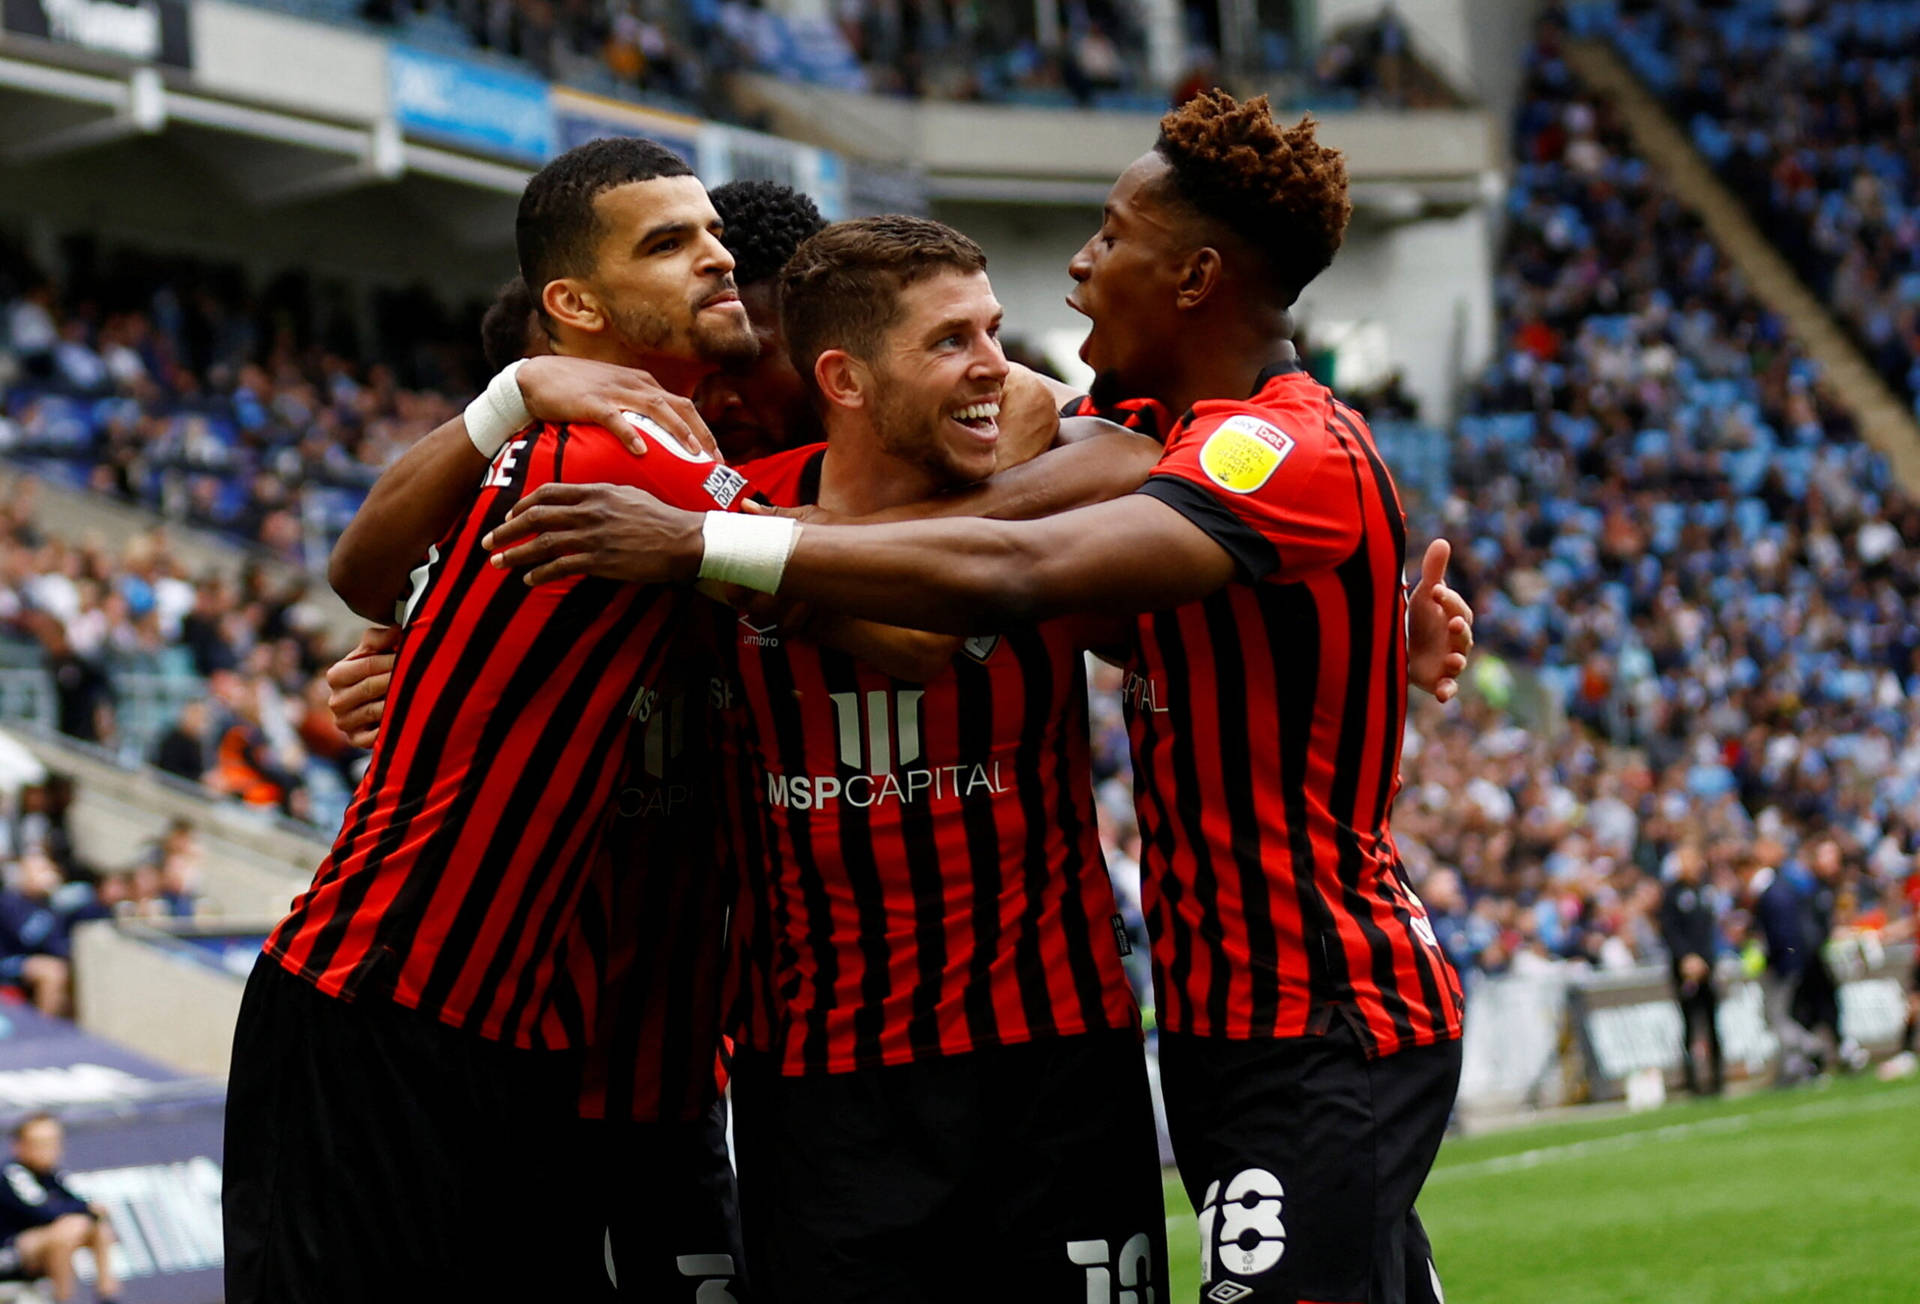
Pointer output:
x,y
414,1007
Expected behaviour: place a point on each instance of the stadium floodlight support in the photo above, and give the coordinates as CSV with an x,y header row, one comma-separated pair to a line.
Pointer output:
x,y
136,104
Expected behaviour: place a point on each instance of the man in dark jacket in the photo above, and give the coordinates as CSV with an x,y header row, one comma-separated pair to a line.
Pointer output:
x,y
1690,926
42,1222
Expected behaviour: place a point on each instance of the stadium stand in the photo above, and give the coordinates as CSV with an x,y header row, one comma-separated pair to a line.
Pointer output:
x,y
1805,110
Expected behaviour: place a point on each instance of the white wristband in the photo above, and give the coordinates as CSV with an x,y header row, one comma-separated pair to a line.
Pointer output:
x,y
499,413
750,551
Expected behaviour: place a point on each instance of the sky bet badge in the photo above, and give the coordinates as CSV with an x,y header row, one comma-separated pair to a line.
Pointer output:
x,y
1244,453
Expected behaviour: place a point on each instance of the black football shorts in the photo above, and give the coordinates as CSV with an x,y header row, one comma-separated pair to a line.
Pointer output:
x,y
1026,1173
1303,1158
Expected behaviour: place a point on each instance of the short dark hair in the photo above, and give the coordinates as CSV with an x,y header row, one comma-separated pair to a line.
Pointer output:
x,y
506,332
841,289
765,222
557,228
38,1116
1278,189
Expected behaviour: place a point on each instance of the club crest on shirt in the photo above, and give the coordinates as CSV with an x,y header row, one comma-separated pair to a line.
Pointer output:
x,y
981,646
1243,453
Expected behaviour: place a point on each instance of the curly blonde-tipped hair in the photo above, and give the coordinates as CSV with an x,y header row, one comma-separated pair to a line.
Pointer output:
x,y
1277,188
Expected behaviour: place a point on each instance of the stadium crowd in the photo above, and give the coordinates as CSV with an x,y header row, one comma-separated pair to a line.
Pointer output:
x,y
47,888
1807,110
163,382
942,49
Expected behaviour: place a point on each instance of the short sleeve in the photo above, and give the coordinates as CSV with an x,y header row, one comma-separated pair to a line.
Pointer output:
x,y
695,483
1282,503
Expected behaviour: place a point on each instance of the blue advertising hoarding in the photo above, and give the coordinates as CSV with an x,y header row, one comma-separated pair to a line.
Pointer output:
x,y
470,105
579,118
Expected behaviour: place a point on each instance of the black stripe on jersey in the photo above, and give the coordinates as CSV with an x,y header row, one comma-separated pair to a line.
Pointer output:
x,y
1188,799
1358,583
685,1059
790,744
858,859
976,711
1431,986
1236,765
1293,632
763,948
422,762
1254,556
922,853
567,1010
1030,962
1071,781
559,732
1171,984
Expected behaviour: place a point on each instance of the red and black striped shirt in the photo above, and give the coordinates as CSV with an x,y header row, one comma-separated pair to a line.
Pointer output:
x,y
929,878
654,916
453,885
1266,723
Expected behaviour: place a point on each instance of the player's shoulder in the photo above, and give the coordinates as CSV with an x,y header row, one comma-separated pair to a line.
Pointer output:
x,y
590,454
781,478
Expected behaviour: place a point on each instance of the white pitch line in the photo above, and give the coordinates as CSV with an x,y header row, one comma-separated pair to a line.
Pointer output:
x,y
1673,1131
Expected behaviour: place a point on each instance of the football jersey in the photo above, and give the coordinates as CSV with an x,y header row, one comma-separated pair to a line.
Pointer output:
x,y
1266,722
454,882
928,878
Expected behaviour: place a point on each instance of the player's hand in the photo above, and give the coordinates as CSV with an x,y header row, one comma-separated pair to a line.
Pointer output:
x,y
1439,627
357,684
612,531
1693,969
1029,418
559,389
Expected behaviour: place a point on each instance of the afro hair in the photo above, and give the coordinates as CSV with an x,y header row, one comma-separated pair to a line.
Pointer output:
x,y
1277,188
765,222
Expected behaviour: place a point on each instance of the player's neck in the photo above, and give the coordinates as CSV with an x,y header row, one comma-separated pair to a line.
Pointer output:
x,y
857,478
1224,373
675,375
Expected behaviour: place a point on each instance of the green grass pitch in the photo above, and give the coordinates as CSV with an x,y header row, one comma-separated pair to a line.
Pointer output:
x,y
1808,1196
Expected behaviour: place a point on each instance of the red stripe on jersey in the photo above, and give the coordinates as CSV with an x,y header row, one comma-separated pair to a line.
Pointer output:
x,y
454,884
930,880
1266,722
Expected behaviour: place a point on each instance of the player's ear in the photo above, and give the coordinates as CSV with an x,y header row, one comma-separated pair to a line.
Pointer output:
x,y
569,302
842,378
1200,273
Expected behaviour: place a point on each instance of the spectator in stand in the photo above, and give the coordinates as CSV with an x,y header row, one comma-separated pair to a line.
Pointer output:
x,y
43,1222
185,750
1690,919
35,946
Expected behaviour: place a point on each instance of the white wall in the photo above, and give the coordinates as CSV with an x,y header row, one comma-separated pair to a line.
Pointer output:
x,y
1429,284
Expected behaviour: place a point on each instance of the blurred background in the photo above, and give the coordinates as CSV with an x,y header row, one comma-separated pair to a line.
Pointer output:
x,y
1631,296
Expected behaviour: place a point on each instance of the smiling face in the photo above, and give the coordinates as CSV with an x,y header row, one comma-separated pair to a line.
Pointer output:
x,y
661,277
1127,276
936,378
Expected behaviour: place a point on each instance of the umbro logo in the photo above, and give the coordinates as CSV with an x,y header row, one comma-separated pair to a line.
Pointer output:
x,y
981,646
1229,1291
758,635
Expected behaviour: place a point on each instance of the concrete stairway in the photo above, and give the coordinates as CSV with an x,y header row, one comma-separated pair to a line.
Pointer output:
x,y
1884,419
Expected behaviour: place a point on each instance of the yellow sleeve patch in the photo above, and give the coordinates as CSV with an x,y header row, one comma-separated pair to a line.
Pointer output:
x,y
1243,453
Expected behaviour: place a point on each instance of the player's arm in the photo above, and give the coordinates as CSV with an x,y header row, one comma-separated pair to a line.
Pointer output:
x,y
1100,461
421,496
958,575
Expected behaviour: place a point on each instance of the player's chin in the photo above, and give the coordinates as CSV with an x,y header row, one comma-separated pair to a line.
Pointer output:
x,y
725,342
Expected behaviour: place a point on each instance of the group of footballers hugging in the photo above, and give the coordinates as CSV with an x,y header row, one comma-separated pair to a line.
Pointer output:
x,y
757,776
